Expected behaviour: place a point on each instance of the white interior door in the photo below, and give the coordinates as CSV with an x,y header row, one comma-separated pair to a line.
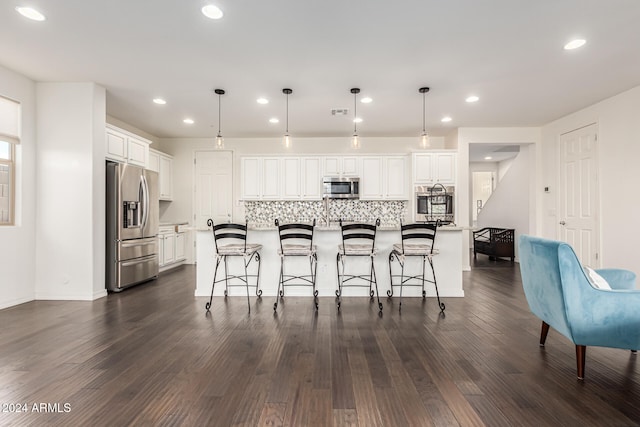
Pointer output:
x,y
214,189
578,193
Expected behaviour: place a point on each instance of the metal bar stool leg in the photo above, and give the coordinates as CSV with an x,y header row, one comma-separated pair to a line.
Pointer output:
x,y
433,271
226,277
208,305
390,291
280,283
313,263
339,291
371,280
375,281
258,290
401,283
246,262
424,293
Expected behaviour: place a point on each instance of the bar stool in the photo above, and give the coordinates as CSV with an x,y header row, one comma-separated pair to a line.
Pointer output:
x,y
296,240
417,241
231,241
358,240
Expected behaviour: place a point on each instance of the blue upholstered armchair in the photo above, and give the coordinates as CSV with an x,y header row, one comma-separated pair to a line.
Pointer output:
x,y
560,293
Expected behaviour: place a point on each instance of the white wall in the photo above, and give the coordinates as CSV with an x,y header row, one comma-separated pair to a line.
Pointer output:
x,y
508,206
70,222
18,243
618,120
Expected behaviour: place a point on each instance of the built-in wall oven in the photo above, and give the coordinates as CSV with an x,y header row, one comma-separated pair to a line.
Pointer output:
x,y
435,203
334,187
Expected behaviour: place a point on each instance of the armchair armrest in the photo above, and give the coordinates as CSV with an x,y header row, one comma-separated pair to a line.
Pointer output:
x,y
618,279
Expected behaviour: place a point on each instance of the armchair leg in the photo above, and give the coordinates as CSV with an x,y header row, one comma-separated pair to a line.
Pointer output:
x,y
543,333
581,352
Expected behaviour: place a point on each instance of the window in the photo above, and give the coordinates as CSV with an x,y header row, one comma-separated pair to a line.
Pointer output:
x,y
9,137
6,183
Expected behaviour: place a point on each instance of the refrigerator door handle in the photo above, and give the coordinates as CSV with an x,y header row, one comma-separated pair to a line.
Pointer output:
x,y
136,244
145,200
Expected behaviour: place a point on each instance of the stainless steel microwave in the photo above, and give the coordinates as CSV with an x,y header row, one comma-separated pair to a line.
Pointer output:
x,y
334,187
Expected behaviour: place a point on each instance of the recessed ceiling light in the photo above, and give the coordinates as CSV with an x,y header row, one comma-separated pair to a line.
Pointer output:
x,y
31,13
262,101
357,120
274,120
212,12
159,101
574,44
188,121
488,158
472,98
366,100
445,119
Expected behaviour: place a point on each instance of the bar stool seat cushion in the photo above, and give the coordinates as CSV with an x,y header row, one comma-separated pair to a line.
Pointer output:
x,y
238,249
414,249
293,249
356,249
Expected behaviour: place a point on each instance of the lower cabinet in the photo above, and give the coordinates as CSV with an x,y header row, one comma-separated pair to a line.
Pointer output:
x,y
172,247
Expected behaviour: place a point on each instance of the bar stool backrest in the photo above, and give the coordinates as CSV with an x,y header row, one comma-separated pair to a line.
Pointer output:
x,y
296,233
359,233
230,231
419,233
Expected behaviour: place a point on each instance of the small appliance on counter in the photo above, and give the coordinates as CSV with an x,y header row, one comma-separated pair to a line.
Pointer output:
x,y
435,203
132,225
334,187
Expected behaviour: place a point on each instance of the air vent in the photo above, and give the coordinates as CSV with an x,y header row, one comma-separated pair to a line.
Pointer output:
x,y
339,111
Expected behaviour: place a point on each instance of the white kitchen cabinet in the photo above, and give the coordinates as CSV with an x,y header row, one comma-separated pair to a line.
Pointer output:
x,y
311,178
434,167
125,147
180,248
165,177
341,166
168,248
260,178
163,164
291,184
270,178
383,178
250,180
172,246
371,179
396,185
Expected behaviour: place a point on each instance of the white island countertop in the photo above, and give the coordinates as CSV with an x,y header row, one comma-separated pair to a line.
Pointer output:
x,y
448,263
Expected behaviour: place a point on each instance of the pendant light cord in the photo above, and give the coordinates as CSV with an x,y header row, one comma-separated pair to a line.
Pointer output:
x,y
424,113
287,130
355,113
219,114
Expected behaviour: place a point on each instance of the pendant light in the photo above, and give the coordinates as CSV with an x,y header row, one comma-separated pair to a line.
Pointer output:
x,y
219,138
355,140
424,141
287,138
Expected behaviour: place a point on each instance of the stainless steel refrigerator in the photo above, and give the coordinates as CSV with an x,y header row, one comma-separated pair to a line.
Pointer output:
x,y
132,225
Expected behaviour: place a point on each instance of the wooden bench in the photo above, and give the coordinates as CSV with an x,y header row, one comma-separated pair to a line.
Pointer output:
x,y
494,242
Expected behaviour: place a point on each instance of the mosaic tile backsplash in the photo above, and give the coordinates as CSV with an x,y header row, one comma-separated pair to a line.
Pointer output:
x,y
265,212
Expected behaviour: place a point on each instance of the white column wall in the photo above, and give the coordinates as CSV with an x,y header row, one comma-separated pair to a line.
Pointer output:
x,y
70,218
18,242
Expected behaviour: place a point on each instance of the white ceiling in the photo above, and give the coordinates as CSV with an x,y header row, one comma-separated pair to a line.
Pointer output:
x,y
507,52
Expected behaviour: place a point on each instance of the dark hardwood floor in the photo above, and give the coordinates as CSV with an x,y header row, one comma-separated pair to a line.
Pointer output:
x,y
150,356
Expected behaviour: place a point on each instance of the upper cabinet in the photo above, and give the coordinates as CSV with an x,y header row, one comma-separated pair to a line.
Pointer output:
x,y
383,178
163,164
341,166
260,178
434,167
125,147
311,174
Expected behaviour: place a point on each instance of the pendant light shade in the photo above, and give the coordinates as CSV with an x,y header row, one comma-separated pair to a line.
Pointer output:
x,y
219,138
424,140
355,139
287,138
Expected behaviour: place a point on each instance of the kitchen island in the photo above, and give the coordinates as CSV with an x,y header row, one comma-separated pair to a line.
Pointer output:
x,y
448,263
